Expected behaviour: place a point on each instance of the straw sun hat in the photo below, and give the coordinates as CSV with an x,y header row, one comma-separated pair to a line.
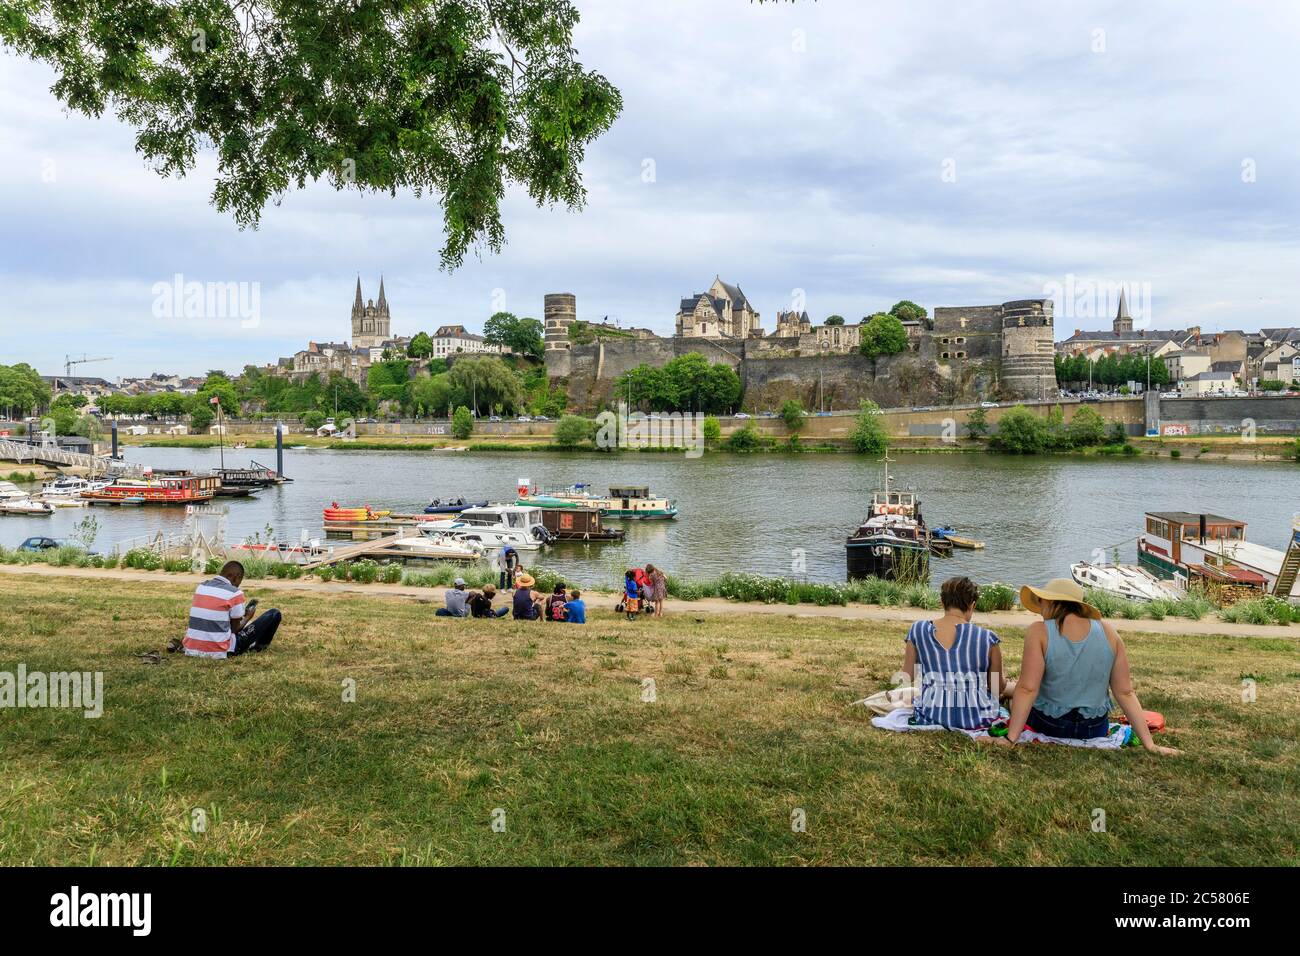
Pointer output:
x,y
1057,589
524,581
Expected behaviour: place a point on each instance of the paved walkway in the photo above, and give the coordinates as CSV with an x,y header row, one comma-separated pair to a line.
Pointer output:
x,y
597,599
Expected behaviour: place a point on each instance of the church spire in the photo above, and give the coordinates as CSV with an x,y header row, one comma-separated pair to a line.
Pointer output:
x,y
1123,306
1123,323
358,304
383,302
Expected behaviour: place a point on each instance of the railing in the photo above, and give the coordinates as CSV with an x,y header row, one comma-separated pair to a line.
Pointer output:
x,y
52,454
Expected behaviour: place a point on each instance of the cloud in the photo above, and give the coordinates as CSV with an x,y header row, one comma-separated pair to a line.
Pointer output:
x,y
794,147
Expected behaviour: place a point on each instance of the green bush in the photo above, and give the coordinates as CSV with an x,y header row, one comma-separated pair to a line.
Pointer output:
x,y
142,559
574,430
792,415
869,436
313,419
1021,432
745,439
996,597
713,430
364,571
391,573
177,565
325,572
462,423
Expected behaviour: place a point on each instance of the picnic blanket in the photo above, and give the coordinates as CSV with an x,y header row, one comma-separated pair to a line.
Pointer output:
x,y
897,719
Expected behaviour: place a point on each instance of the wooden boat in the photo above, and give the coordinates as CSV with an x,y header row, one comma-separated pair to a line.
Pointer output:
x,y
630,502
578,524
255,476
957,540
168,490
893,541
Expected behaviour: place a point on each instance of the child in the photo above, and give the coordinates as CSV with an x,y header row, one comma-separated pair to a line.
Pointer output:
x,y
575,611
631,594
556,603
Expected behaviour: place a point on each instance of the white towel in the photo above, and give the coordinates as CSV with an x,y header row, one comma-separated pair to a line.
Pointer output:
x,y
898,720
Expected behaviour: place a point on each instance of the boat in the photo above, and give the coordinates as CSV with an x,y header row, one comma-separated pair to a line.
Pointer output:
x,y
1211,552
336,512
26,507
451,506
579,524
254,476
630,502
1127,581
70,486
893,541
11,492
167,490
437,548
957,540
494,526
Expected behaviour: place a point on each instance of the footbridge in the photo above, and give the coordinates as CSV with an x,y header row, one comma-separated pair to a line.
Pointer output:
x,y
23,452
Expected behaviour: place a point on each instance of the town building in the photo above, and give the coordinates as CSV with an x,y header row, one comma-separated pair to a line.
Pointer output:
x,y
455,340
1208,383
371,323
721,312
1123,338
1185,363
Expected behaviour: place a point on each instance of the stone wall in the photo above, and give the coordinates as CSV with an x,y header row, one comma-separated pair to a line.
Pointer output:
x,y
1228,416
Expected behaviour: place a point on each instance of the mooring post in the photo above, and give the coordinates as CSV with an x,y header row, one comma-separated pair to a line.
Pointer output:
x,y
279,449
115,438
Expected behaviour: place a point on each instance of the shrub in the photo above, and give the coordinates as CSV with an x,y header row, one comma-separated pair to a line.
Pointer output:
x,y
313,419
1086,428
1175,454
573,430
713,430
462,423
869,436
364,571
177,565
391,573
745,439
996,597
792,415
325,572
142,559
1021,432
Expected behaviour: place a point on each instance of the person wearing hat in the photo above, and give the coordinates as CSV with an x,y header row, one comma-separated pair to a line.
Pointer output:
x,y
527,603
1073,661
456,600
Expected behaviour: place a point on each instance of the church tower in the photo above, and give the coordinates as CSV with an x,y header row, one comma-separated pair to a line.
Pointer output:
x,y
371,323
1123,323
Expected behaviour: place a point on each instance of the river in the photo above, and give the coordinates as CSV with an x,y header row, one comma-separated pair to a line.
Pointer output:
x,y
759,513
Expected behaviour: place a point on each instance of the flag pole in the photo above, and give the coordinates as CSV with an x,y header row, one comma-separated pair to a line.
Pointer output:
x,y
221,433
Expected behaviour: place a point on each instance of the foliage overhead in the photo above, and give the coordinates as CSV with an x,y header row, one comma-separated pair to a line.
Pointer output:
x,y
457,99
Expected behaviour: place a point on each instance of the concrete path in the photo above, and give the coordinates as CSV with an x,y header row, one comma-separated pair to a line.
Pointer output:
x,y
603,600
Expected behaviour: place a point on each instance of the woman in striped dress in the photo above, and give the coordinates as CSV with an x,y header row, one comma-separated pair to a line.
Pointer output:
x,y
956,666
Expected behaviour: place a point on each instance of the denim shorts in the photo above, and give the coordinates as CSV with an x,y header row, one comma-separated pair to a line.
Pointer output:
x,y
1071,724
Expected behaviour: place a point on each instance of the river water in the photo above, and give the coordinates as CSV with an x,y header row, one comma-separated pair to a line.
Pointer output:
x,y
761,513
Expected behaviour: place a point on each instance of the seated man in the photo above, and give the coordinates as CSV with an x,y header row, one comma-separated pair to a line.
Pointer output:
x,y
556,604
221,625
457,601
575,611
480,604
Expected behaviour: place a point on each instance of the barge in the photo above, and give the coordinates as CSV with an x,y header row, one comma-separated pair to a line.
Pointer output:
x,y
1211,551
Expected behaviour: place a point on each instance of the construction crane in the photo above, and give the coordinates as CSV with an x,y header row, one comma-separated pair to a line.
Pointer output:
x,y
69,361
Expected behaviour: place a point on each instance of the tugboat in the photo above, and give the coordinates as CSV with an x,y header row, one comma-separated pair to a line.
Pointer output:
x,y
893,542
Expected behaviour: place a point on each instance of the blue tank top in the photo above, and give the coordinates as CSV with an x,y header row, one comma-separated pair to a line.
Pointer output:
x,y
1076,674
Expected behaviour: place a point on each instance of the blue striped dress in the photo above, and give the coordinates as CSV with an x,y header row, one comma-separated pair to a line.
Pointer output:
x,y
953,682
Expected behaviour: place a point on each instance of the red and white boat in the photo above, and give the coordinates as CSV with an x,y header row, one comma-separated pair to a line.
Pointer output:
x,y
179,490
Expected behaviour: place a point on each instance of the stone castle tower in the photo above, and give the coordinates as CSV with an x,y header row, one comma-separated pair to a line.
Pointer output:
x,y
371,325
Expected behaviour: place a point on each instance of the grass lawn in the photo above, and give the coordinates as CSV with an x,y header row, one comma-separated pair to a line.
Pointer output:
x,y
454,719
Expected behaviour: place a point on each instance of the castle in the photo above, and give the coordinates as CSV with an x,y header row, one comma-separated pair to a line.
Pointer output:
x,y
370,320
963,351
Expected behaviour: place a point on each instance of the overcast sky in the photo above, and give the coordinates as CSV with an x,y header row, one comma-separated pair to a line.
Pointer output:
x,y
950,153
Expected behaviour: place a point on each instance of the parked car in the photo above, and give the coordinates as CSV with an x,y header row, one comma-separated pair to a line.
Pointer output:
x,y
495,418
541,418
523,418
767,415
740,415
989,405
367,421
39,543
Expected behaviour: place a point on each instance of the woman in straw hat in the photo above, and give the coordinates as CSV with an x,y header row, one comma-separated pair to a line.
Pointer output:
x,y
527,603
1073,662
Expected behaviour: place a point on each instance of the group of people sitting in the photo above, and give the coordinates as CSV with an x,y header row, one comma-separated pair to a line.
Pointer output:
x,y
563,604
1072,663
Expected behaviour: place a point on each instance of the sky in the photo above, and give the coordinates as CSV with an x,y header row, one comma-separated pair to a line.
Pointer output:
x,y
836,156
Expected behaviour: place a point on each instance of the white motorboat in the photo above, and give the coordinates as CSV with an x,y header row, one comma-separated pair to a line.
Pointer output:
x,y
69,486
437,547
11,492
493,527
1124,580
26,507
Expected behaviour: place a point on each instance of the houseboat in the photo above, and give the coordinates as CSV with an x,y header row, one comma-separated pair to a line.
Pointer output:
x,y
254,476
625,502
1212,552
893,541
183,490
578,524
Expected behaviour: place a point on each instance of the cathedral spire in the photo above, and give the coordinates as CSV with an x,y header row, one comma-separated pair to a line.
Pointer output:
x,y
383,302
358,304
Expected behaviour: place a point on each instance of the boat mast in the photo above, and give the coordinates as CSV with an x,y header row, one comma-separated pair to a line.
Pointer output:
x,y
221,436
885,461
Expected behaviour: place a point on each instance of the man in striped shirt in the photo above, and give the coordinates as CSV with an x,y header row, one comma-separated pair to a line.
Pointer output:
x,y
221,624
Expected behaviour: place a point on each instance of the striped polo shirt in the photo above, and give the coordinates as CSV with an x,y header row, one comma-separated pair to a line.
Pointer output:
x,y
217,602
